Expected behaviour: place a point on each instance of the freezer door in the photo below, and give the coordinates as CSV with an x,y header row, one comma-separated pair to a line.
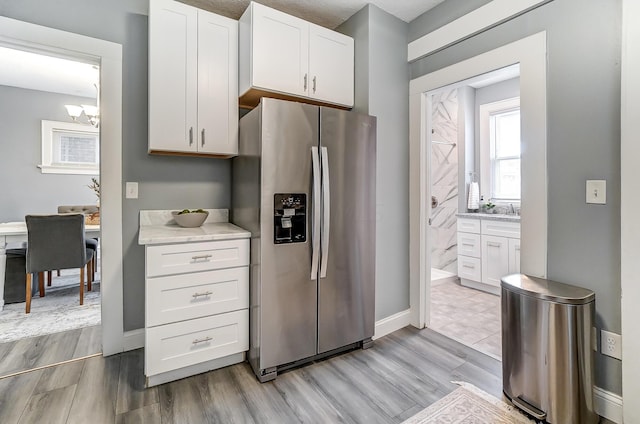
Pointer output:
x,y
288,296
346,296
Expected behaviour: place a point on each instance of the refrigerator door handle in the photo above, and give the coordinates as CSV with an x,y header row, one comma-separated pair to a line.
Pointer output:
x,y
315,231
326,209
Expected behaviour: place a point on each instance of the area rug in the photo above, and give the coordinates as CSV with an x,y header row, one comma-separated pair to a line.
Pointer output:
x,y
58,311
469,405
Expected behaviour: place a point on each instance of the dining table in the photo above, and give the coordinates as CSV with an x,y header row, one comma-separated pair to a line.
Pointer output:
x,y
16,232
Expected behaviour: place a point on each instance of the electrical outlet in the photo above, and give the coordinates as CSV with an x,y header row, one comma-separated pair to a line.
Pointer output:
x,y
611,344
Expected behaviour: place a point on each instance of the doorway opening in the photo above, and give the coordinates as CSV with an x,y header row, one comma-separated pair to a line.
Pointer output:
x,y
54,168
108,55
530,54
474,158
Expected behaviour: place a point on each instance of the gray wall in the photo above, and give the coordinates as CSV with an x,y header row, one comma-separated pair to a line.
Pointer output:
x,y
165,182
583,128
382,90
26,189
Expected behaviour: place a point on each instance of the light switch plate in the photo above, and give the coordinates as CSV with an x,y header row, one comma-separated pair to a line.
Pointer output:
x,y
131,190
597,192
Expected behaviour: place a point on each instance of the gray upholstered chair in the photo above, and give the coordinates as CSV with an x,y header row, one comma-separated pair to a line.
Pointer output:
x,y
55,242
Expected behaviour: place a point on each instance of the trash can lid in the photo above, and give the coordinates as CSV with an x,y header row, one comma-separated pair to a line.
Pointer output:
x,y
547,290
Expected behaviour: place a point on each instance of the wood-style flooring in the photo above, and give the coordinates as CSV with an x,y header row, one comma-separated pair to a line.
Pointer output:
x,y
400,375
35,352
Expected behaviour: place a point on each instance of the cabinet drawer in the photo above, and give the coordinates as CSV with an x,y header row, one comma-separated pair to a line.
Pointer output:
x,y
501,228
173,346
187,296
466,225
180,258
469,268
469,244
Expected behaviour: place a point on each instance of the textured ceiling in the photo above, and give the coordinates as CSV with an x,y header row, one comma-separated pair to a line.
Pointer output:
x,y
23,69
327,13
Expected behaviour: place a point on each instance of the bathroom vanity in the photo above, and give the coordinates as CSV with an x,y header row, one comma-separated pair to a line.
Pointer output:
x,y
488,249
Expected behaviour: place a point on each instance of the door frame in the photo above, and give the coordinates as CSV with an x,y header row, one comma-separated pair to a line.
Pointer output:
x,y
531,54
108,56
629,206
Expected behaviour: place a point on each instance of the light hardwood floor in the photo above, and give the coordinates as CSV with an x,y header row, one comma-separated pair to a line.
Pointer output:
x,y
25,354
400,375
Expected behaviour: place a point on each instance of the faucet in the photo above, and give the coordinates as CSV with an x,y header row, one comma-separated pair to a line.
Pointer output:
x,y
512,210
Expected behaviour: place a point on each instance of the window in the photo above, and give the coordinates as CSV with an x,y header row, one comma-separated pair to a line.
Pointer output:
x,y
69,148
500,150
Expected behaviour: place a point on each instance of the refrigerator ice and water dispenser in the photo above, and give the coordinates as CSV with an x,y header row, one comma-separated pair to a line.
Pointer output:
x,y
289,218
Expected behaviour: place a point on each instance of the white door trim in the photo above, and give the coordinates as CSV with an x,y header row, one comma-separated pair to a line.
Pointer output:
x,y
481,19
109,56
629,206
531,54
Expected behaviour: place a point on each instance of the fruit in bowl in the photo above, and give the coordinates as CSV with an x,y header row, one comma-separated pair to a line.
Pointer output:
x,y
190,218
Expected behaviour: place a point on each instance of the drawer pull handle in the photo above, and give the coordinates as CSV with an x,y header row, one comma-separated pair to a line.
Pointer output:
x,y
206,339
493,244
468,244
197,295
201,257
468,266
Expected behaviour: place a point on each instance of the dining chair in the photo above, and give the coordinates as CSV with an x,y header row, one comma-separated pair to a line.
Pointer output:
x,y
55,242
90,243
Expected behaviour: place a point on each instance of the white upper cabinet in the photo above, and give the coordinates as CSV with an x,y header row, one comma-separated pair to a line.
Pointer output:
x,y
280,53
287,57
330,66
193,66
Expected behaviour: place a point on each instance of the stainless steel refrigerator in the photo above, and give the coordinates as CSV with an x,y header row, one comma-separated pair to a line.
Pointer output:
x,y
303,183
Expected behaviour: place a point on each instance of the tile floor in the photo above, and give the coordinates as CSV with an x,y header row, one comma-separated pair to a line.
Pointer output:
x,y
469,316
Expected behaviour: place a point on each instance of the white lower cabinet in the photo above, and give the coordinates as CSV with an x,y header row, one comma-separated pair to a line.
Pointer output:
x,y
495,259
488,250
196,300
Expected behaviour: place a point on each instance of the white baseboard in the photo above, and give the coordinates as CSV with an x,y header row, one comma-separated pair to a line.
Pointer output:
x,y
133,339
608,405
392,323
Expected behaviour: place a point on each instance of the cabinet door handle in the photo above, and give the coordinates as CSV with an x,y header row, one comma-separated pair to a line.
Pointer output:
x,y
468,266
314,84
206,339
203,257
517,248
492,244
468,244
190,136
197,295
203,137
305,82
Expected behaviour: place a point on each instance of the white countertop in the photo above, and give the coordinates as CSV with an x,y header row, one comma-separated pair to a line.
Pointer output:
x,y
490,216
163,234
159,227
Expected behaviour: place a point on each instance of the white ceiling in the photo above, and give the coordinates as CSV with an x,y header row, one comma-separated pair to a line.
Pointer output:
x,y
46,73
327,13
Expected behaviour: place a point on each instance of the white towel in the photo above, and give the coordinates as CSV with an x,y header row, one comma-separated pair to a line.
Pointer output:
x,y
474,196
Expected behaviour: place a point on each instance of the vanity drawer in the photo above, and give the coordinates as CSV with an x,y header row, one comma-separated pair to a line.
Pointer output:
x,y
187,296
501,228
469,244
467,225
469,268
173,346
180,258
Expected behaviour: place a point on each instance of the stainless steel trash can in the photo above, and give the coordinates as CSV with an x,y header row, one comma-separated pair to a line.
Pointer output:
x,y
547,355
